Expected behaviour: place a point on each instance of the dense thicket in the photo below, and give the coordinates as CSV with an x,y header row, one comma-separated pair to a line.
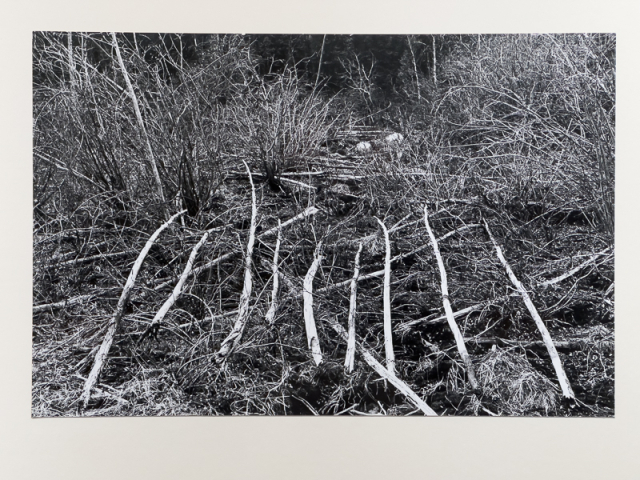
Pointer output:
x,y
517,130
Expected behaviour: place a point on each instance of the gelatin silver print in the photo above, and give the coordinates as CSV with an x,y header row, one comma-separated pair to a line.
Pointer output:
x,y
356,225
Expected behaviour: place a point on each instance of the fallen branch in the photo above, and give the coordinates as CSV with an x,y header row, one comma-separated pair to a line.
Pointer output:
x,y
232,340
351,342
196,271
63,303
101,256
462,349
546,337
566,344
115,320
299,184
307,297
405,327
383,372
573,271
386,303
271,313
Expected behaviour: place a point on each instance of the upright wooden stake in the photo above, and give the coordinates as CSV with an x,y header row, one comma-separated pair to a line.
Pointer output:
x,y
386,300
567,391
351,341
462,349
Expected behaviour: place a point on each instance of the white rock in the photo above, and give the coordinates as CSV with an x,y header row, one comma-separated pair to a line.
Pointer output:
x,y
363,147
394,138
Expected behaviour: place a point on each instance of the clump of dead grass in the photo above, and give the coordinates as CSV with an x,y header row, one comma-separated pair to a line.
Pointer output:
x,y
509,383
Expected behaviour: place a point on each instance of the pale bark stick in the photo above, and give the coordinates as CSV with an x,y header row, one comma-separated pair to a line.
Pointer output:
x,y
302,215
386,301
233,339
62,304
299,184
361,278
351,342
415,67
72,63
573,271
405,327
101,256
271,314
115,320
307,212
177,291
136,107
385,373
462,349
546,337
307,298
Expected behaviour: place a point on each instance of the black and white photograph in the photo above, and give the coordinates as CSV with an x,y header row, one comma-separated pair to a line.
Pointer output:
x,y
323,224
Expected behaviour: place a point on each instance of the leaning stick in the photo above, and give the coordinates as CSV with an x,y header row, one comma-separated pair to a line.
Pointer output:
x,y
271,314
115,320
136,107
307,298
546,337
386,301
233,339
462,349
196,271
351,342
383,372
177,291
